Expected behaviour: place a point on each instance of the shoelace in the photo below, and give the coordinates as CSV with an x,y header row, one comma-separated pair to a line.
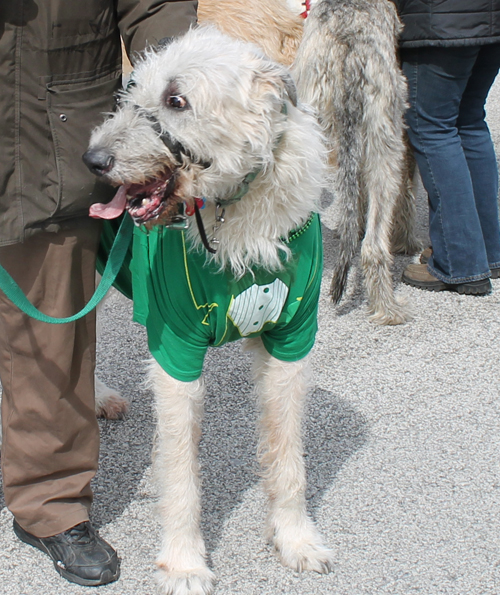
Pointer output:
x,y
81,534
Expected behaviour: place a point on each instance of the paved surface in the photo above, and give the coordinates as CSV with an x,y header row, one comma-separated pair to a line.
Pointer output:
x,y
403,444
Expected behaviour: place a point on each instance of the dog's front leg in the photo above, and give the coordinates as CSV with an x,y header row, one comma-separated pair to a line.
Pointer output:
x,y
181,562
282,388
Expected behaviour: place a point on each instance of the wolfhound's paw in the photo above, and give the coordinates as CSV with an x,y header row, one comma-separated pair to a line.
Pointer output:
x,y
409,245
196,581
302,549
108,402
307,556
397,312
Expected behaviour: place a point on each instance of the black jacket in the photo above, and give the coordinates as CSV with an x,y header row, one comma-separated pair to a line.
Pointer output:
x,y
449,22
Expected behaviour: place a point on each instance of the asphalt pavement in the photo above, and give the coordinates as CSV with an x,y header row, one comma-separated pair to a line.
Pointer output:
x,y
402,451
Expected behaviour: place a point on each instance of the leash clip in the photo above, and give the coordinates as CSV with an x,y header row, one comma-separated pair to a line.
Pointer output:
x,y
220,211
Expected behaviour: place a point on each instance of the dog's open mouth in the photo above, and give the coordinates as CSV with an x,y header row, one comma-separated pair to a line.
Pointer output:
x,y
149,202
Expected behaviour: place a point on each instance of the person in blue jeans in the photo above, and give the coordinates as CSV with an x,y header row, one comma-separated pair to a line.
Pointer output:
x,y
451,58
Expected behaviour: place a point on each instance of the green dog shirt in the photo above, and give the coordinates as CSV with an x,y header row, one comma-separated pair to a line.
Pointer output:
x,y
187,304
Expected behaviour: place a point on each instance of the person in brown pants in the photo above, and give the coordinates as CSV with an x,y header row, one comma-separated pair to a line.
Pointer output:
x,y
60,64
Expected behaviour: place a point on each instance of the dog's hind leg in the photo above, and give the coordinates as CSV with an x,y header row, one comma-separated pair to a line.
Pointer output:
x,y
109,403
181,562
404,240
282,388
382,180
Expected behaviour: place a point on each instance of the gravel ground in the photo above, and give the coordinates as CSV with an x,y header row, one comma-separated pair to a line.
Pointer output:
x,y
403,436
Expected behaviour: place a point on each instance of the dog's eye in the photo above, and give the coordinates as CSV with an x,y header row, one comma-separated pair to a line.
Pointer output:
x,y
176,101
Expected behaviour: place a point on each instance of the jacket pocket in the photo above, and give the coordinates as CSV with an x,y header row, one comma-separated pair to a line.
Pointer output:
x,y
74,109
74,22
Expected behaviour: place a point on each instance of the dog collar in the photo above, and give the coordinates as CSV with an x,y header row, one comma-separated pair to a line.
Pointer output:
x,y
307,8
250,177
242,189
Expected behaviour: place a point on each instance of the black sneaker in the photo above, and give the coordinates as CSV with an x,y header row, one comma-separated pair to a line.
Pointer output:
x,y
79,554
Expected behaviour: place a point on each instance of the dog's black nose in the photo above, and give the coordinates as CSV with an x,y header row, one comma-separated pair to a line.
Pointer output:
x,y
99,161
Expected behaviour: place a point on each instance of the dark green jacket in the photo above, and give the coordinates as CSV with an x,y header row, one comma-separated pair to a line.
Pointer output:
x,y
448,23
60,63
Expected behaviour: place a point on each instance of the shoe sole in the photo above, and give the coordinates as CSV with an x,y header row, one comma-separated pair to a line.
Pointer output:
x,y
106,577
482,287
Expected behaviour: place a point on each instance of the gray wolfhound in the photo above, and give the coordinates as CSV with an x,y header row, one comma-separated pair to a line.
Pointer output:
x,y
346,68
213,118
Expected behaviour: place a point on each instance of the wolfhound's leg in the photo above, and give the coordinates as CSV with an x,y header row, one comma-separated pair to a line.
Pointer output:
x,y
181,562
109,403
382,180
404,240
282,388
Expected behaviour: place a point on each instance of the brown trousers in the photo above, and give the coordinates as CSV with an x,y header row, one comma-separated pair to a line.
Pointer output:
x,y
50,442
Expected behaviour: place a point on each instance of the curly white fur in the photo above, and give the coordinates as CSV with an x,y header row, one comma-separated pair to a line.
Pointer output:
x,y
235,122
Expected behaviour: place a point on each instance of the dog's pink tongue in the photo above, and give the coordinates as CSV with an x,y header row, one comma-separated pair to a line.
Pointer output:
x,y
112,209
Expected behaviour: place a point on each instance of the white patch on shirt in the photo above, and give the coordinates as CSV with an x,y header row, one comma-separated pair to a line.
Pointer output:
x,y
258,305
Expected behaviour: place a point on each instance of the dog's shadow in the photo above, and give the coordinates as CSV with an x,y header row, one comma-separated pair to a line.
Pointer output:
x,y
333,432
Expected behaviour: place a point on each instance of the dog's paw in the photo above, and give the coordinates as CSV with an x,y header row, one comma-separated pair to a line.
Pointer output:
x,y
302,549
108,402
408,247
307,556
397,312
196,581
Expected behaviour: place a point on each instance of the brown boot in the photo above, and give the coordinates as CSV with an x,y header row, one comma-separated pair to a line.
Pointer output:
x,y
417,275
426,254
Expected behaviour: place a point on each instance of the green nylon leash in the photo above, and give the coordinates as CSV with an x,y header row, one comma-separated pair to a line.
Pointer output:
x,y
113,265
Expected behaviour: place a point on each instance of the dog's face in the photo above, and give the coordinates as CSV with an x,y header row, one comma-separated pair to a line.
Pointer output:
x,y
199,116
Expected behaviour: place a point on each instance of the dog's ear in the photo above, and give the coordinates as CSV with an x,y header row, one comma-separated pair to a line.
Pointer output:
x,y
271,75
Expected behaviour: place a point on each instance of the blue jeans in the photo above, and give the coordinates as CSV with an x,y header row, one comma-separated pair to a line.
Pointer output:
x,y
448,87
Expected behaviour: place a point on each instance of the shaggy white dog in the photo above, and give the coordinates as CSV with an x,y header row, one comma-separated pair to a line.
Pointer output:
x,y
212,118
